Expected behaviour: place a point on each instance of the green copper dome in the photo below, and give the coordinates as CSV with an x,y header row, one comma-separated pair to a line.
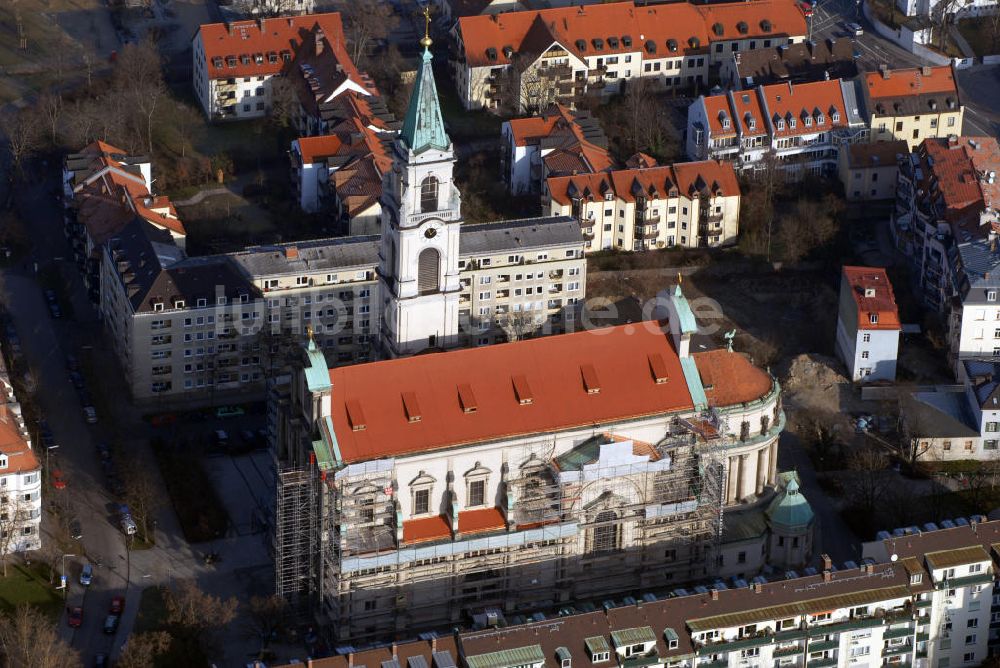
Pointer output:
x,y
423,127
790,510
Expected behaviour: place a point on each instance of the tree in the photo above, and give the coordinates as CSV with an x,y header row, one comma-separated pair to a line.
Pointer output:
x,y
267,615
142,649
197,614
285,103
366,22
869,478
29,639
759,192
23,135
138,82
807,226
50,105
522,88
141,493
517,326
14,512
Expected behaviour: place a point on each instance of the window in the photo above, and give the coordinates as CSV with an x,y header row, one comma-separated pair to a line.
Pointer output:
x,y
421,501
477,493
428,269
429,194
864,354
741,558
970,639
969,657
991,295
951,122
866,338
972,623
606,534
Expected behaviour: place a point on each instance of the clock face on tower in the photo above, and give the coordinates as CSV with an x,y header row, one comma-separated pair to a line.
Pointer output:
x,y
430,233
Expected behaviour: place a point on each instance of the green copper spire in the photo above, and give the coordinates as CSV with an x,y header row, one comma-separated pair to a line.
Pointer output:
x,y
423,126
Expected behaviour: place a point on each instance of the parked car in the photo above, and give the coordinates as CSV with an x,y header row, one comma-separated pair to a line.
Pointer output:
x,y
74,616
75,529
90,414
87,575
126,521
117,605
229,411
855,29
76,378
111,624
58,481
100,661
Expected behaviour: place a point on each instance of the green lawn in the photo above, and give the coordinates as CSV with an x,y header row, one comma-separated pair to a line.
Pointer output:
x,y
29,584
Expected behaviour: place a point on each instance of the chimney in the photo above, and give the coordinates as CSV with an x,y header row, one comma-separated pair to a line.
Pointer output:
x,y
757,587
394,652
715,594
925,70
350,660
434,644
827,562
827,576
886,72
292,253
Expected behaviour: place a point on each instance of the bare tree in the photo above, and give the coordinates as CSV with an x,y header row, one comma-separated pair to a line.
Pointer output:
x,y
50,105
198,614
807,226
141,493
142,649
517,326
23,135
522,88
267,615
366,22
14,512
29,639
138,80
285,103
913,441
869,478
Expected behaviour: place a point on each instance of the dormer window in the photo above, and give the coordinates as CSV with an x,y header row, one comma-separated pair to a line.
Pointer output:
x,y
158,306
869,292
991,295
873,318
217,61
565,659
791,123
781,124
820,119
220,301
835,117
3,462
725,123
202,302
598,648
180,303
808,121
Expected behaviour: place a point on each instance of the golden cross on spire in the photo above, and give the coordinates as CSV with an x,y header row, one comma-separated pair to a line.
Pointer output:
x,y
426,41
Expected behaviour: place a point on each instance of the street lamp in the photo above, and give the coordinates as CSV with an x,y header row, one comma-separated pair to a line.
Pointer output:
x,y
63,582
48,469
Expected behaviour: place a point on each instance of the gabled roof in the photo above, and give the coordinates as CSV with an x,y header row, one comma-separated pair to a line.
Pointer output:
x,y
805,108
20,456
800,61
710,177
910,88
873,295
959,168
588,30
526,387
264,46
745,105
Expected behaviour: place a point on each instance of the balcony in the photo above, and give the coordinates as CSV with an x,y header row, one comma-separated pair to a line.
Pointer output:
x,y
641,661
822,663
898,633
502,294
788,651
557,273
905,648
823,645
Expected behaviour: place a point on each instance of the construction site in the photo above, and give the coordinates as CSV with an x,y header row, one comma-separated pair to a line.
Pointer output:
x,y
609,516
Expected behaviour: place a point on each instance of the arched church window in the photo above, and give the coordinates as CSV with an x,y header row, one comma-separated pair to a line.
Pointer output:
x,y
606,536
428,270
429,194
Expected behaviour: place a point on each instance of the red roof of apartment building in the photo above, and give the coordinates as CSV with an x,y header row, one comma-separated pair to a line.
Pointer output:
x,y
961,167
712,176
873,294
621,27
746,108
718,112
559,129
264,46
805,108
20,456
912,81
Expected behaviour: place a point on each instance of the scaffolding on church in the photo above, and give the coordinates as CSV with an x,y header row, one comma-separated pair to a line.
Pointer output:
x,y
295,538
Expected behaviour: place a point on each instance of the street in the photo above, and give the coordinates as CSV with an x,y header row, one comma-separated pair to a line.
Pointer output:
x,y
244,482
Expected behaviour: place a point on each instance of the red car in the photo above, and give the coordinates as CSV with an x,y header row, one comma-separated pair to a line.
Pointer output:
x,y
117,605
58,481
74,616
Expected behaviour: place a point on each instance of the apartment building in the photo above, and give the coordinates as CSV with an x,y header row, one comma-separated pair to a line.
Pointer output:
x,y
801,127
801,62
528,60
945,223
870,172
341,174
20,475
557,142
104,189
913,104
868,324
919,598
687,204
234,64
515,479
